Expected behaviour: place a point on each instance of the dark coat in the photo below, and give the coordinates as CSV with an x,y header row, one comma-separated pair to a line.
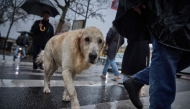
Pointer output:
x,y
40,38
136,57
22,40
114,41
166,20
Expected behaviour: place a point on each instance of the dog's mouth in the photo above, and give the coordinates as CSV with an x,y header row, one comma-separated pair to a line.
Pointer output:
x,y
92,61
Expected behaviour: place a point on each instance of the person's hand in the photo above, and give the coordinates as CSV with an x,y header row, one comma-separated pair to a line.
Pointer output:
x,y
40,25
138,10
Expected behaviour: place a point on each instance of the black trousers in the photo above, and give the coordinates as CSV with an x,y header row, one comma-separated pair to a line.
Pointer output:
x,y
36,50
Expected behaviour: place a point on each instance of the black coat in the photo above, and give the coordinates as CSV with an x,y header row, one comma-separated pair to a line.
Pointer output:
x,y
136,57
114,41
166,20
40,38
22,40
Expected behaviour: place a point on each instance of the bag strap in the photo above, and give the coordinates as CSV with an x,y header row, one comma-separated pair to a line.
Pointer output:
x,y
117,45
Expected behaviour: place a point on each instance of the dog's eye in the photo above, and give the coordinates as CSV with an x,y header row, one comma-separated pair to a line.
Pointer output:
x,y
87,39
100,41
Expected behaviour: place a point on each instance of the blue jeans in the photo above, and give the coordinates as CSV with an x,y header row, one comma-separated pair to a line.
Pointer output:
x,y
17,49
113,65
161,74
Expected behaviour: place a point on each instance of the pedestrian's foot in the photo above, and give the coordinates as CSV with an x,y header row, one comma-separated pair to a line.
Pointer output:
x,y
116,78
133,88
15,57
102,76
24,57
34,70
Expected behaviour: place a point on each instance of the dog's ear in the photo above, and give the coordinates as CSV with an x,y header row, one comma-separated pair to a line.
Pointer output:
x,y
77,42
80,34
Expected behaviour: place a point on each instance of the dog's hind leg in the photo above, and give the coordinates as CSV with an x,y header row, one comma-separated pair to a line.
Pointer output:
x,y
49,68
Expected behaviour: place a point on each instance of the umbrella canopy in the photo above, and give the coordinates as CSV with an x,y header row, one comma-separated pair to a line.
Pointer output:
x,y
37,7
23,32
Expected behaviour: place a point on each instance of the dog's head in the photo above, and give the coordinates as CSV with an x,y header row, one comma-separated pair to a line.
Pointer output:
x,y
91,43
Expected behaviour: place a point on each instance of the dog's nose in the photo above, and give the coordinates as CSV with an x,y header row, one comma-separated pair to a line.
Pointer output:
x,y
92,56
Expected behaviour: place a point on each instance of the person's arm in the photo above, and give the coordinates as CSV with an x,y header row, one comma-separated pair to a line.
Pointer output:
x,y
109,36
122,40
52,32
138,10
35,27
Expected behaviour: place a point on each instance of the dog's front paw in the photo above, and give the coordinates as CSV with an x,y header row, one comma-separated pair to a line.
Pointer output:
x,y
75,107
66,97
46,90
75,104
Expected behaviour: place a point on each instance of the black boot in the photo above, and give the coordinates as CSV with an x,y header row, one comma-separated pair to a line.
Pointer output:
x,y
41,66
133,88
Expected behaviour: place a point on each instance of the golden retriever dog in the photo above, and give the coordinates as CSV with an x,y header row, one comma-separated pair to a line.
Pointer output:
x,y
73,52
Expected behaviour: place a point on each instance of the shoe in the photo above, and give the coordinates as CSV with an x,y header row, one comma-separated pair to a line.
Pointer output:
x,y
102,76
133,88
34,70
24,57
15,57
41,67
116,78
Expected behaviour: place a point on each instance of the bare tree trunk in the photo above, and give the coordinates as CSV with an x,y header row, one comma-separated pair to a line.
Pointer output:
x,y
61,20
7,39
11,24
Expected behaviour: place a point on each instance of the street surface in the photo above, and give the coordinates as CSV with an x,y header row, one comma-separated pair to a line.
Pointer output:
x,y
20,88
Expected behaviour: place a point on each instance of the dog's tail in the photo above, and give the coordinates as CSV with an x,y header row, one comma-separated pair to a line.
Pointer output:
x,y
39,59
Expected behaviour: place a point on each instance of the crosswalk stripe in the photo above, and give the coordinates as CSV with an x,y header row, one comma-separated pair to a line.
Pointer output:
x,y
54,83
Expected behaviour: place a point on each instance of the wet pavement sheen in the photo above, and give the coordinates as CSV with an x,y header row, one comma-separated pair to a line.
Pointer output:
x,y
33,97
20,88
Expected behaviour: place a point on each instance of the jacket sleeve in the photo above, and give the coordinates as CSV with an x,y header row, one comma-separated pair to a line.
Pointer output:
x,y
52,32
35,27
122,40
27,39
109,36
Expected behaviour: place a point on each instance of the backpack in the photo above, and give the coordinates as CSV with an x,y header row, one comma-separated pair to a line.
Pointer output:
x,y
19,41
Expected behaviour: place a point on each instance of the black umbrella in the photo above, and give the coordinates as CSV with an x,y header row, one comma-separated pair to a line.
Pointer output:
x,y
37,7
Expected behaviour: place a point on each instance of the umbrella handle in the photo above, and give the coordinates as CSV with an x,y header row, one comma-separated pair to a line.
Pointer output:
x,y
41,27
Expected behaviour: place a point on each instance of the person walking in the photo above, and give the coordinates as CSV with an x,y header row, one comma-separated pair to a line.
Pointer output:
x,y
42,31
114,41
22,42
166,22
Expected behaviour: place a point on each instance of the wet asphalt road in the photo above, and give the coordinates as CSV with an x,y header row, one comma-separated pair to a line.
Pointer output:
x,y
20,88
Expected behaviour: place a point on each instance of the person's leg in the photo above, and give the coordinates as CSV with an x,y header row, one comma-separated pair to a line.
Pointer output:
x,y
106,65
125,77
165,63
36,50
16,51
23,52
142,76
162,75
114,67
